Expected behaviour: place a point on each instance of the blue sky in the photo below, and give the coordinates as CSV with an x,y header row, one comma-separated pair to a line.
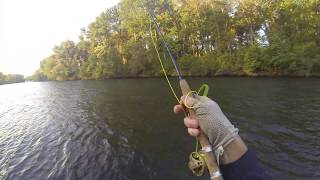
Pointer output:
x,y
30,28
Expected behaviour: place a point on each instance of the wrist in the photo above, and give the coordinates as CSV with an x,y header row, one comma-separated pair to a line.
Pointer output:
x,y
233,151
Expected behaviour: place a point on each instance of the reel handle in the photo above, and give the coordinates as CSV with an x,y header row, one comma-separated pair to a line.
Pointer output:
x,y
203,139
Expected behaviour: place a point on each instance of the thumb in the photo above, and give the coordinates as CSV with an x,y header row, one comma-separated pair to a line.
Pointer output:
x,y
190,101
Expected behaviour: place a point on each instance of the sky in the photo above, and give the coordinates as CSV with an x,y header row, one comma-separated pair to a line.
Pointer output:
x,y
29,29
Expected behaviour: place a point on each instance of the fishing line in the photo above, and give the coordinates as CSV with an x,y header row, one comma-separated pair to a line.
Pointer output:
x,y
204,87
160,61
196,159
174,61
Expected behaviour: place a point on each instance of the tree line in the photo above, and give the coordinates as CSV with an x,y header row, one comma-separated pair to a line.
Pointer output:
x,y
208,38
11,78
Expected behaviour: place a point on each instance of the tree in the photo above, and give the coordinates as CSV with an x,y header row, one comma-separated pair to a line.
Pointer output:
x,y
208,37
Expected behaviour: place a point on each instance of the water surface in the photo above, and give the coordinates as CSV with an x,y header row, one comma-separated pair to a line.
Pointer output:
x,y
125,129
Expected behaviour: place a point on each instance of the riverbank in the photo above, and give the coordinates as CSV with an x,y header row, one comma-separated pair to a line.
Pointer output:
x,y
257,75
118,44
11,78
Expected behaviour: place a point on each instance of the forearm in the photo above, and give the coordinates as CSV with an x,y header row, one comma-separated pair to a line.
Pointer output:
x,y
233,151
237,162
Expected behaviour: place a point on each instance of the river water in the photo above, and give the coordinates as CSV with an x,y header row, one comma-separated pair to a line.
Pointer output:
x,y
124,128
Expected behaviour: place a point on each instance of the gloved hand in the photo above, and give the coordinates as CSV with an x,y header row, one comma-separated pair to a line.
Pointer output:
x,y
211,120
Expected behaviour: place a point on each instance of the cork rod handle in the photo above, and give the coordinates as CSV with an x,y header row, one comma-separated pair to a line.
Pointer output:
x,y
203,139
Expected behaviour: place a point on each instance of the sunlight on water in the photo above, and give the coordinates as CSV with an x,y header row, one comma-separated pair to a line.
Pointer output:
x,y
117,129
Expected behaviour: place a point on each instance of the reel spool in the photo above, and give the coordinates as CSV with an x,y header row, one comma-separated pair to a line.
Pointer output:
x,y
196,163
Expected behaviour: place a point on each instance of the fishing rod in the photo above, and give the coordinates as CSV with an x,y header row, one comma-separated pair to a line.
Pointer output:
x,y
197,161
173,59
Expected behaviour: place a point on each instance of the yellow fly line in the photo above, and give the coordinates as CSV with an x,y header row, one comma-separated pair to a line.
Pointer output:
x,y
204,87
196,158
162,67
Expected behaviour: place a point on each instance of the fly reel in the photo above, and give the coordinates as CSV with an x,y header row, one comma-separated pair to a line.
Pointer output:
x,y
196,163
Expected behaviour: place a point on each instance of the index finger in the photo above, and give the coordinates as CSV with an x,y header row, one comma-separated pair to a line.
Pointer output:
x,y
178,109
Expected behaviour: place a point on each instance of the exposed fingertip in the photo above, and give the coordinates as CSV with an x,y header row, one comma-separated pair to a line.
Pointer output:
x,y
193,132
178,109
191,123
181,99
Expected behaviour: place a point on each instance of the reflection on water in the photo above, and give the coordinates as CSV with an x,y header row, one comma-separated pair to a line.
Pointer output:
x,y
125,129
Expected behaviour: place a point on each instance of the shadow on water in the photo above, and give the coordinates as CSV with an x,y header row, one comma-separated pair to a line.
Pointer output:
x,y
125,129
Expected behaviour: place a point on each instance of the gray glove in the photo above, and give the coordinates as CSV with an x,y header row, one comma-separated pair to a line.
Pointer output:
x,y
212,121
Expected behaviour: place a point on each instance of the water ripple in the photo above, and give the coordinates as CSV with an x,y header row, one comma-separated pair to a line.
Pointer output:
x,y
117,130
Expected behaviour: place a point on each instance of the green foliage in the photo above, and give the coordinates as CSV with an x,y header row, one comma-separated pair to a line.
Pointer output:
x,y
11,78
198,66
37,76
211,37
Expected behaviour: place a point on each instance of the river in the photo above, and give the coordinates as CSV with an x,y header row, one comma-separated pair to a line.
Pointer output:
x,y
125,129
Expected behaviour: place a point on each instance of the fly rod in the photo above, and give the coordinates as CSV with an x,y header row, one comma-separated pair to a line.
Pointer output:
x,y
207,154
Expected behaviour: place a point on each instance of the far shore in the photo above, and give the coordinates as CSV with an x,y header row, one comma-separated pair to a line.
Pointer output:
x,y
229,75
